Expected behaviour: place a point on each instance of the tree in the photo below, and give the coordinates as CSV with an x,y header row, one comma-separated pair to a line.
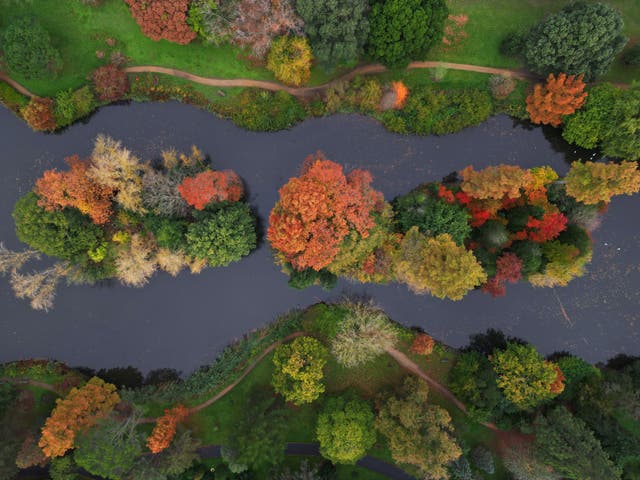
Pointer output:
x,y
222,236
404,30
561,96
422,344
11,261
256,22
78,411
160,194
258,439
211,186
592,183
569,446
165,428
115,167
28,50
583,38
524,375
337,29
299,370
418,433
39,114
494,182
38,287
163,19
433,216
364,334
437,266
30,454
508,269
135,263
345,429
169,463
290,60
111,448
209,19
63,468
73,188
65,234
501,86
520,460
632,56
318,209
110,83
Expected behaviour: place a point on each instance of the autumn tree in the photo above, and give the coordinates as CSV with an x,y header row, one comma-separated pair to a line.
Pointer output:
x,y
163,19
508,269
73,188
365,333
299,370
211,186
494,182
419,433
38,287
560,96
318,209
437,266
78,411
39,114
290,60
345,429
135,263
114,166
11,260
165,428
592,182
422,344
30,454
110,83
524,376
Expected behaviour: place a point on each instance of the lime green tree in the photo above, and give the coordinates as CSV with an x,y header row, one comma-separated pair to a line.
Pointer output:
x,y
592,182
299,370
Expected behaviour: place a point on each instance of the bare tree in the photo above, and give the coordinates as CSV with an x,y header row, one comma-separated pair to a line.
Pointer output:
x,y
38,287
11,260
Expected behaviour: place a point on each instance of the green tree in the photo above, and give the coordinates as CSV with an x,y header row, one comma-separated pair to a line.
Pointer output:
x,y
583,38
258,439
345,429
364,333
110,449
566,443
337,29
28,50
299,370
63,468
66,234
223,235
418,433
405,30
524,375
171,462
432,216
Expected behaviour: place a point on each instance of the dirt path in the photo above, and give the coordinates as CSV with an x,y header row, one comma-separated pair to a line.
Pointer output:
x,y
16,85
308,91
33,383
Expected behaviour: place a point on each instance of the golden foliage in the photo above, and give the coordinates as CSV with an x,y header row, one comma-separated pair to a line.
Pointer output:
x,y
592,182
135,263
290,60
171,262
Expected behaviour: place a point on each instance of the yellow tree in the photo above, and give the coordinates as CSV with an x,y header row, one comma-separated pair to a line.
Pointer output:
x,y
290,60
560,96
592,182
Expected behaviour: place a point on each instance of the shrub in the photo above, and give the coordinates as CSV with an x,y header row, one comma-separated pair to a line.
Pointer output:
x,y
28,50
404,30
290,60
337,30
364,334
345,430
39,114
163,19
65,109
483,460
583,38
632,56
208,18
12,99
263,111
301,279
501,86
299,370
422,344
110,83
83,101
512,44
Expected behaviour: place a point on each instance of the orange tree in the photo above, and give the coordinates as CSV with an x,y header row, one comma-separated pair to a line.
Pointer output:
x,y
78,411
165,428
74,188
318,209
561,96
211,186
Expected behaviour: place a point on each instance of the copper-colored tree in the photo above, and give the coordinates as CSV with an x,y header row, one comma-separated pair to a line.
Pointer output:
x,y
422,344
494,182
318,209
211,186
75,189
79,410
561,96
163,19
39,114
110,83
165,428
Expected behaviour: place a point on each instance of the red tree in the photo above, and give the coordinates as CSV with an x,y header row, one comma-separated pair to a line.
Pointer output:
x,y
422,344
39,114
547,228
211,186
75,189
318,209
559,97
558,384
110,83
508,269
163,19
165,428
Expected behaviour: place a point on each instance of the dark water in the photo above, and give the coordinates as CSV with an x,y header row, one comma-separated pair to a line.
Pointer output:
x,y
184,322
